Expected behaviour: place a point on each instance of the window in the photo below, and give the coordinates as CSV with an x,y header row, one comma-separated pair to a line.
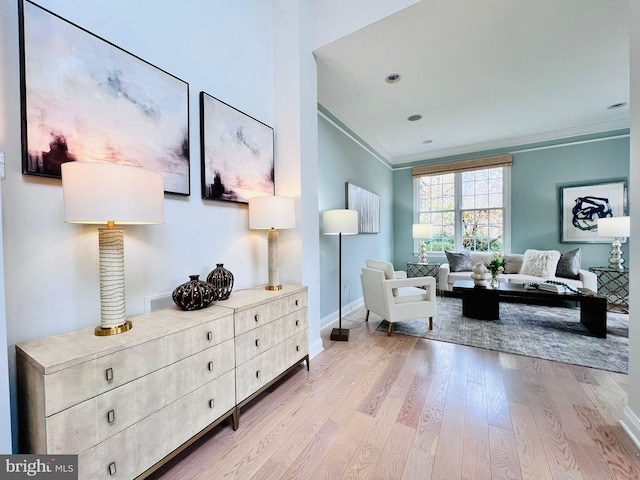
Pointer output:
x,y
466,209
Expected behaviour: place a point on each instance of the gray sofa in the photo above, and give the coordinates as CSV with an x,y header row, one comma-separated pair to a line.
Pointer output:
x,y
513,265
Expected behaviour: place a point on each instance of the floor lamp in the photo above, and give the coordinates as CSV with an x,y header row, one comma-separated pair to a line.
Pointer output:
x,y
616,227
111,195
340,222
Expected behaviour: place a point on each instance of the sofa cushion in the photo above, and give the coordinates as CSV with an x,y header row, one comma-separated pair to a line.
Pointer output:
x,y
459,262
569,265
540,263
513,262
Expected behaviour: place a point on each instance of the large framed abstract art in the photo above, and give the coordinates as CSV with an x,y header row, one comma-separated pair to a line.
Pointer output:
x,y
85,99
237,153
368,206
582,205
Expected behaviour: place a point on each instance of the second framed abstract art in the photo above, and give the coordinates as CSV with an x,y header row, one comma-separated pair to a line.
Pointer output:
x,y
237,153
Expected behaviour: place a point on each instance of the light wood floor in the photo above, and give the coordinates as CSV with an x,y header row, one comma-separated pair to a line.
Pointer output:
x,y
408,408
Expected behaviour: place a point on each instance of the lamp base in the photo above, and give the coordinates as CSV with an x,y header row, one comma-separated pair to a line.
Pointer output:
x,y
340,334
273,287
103,332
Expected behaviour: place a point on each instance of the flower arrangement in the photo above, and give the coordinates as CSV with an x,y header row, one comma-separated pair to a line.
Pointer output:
x,y
496,265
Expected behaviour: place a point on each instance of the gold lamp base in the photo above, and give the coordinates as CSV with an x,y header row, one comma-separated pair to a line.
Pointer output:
x,y
103,332
273,287
340,334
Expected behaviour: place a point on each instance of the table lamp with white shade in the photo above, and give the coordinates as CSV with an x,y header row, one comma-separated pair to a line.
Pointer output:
x,y
340,222
618,228
272,213
111,195
421,231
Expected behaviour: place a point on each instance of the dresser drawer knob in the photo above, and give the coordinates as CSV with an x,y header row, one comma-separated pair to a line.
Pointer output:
x,y
257,342
209,336
258,374
109,374
112,468
297,348
297,303
297,323
210,366
212,404
257,317
111,416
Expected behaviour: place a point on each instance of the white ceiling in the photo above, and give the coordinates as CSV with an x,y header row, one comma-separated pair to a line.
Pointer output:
x,y
482,73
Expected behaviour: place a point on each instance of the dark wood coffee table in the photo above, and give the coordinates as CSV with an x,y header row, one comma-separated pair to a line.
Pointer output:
x,y
483,303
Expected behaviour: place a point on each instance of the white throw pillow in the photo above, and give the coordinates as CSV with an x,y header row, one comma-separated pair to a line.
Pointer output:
x,y
540,263
386,267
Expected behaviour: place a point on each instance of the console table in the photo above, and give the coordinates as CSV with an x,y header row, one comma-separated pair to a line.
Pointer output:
x,y
415,269
126,404
613,284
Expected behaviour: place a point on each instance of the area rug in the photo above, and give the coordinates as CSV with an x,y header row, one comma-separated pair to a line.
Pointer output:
x,y
551,333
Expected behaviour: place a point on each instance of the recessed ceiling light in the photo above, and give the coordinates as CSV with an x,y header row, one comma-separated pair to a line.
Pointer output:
x,y
414,118
393,78
616,105
427,141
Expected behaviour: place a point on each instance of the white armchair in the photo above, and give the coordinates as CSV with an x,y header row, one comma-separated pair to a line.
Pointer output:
x,y
394,297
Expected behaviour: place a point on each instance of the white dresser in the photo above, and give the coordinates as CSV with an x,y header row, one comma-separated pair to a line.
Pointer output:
x,y
126,402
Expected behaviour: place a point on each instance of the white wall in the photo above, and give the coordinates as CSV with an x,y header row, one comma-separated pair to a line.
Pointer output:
x,y
51,273
631,416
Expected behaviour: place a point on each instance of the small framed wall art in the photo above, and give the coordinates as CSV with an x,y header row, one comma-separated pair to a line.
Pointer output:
x,y
85,99
582,205
368,206
237,153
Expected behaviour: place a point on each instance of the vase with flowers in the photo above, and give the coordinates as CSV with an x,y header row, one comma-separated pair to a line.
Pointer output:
x,y
495,267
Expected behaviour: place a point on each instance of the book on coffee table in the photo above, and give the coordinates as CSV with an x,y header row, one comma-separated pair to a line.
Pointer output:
x,y
552,287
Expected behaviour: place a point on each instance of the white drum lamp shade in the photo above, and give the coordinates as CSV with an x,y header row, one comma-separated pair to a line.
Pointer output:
x,y
616,227
340,222
420,231
110,194
272,213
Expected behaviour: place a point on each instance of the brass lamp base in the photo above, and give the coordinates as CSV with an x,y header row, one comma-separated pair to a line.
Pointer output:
x,y
273,287
340,334
103,332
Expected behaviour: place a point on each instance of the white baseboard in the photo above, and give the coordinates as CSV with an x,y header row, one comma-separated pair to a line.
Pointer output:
x,y
328,320
315,348
631,424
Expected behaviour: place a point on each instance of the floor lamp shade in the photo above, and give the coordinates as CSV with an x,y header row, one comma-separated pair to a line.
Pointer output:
x,y
272,213
616,227
111,195
340,222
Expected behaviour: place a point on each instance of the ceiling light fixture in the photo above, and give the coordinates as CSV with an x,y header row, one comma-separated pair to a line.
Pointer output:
x,y
414,118
393,78
616,105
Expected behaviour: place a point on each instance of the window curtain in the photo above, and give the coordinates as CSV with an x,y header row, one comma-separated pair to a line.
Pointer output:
x,y
463,165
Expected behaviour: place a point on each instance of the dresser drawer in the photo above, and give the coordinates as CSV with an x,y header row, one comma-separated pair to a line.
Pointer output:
x,y
212,362
211,333
261,339
112,459
213,400
259,315
254,374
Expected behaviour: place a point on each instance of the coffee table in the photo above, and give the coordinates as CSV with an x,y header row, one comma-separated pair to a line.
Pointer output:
x,y
483,303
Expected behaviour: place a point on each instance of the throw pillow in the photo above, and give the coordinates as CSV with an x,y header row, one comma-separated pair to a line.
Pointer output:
x,y
569,265
512,263
459,262
387,269
540,263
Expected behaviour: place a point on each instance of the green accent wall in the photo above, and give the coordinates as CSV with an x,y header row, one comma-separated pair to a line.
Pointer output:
x,y
342,160
536,178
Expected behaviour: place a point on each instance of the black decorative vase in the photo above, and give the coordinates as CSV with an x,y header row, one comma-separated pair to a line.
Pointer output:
x,y
193,295
222,281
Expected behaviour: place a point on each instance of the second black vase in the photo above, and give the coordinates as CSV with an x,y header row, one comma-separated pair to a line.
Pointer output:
x,y
222,281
